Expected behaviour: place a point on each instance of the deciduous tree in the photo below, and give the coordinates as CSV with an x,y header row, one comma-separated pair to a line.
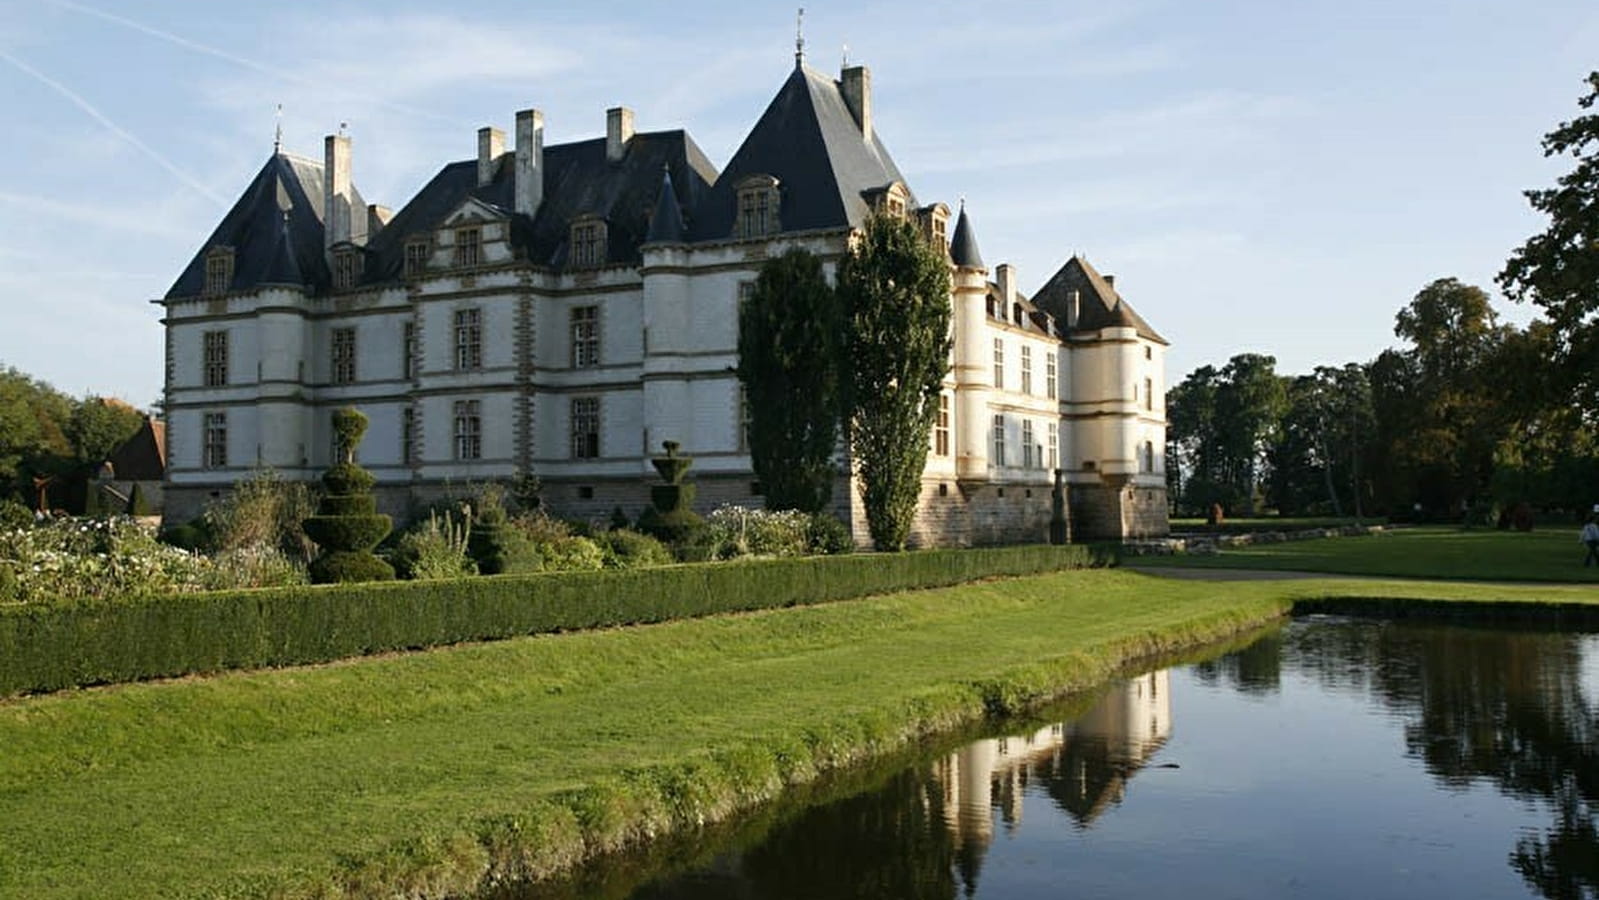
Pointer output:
x,y
894,289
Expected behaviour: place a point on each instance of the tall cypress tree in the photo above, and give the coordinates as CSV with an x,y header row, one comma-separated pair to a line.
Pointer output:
x,y
789,337
894,288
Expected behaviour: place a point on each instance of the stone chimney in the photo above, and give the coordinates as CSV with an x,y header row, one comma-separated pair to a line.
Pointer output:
x,y
856,85
490,144
377,217
341,222
618,131
1074,305
529,161
1005,277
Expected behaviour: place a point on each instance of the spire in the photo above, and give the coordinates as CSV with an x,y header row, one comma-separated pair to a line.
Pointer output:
x,y
799,38
277,137
963,246
666,225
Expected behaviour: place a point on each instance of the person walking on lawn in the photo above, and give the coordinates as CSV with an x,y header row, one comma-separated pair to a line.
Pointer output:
x,y
1590,536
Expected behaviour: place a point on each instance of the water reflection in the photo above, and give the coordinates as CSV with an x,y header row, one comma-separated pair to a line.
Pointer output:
x,y
1083,766
1500,705
1280,750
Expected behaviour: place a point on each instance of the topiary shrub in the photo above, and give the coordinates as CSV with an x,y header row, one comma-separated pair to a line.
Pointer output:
x,y
497,545
138,504
670,516
347,525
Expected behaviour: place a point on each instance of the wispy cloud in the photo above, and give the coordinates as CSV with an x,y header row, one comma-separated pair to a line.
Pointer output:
x,y
100,215
106,122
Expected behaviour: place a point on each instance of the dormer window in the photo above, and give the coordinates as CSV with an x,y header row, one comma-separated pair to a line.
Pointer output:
x,y
588,243
218,271
346,268
758,203
891,201
935,225
416,258
468,247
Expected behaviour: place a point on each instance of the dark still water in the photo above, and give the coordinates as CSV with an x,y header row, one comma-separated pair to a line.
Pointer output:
x,y
1332,758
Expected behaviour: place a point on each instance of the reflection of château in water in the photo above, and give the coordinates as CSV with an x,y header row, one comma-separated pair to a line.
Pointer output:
x,y
1082,765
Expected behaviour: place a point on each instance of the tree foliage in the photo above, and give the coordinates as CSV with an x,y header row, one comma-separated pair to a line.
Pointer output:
x,y
894,290
789,337
45,433
1558,270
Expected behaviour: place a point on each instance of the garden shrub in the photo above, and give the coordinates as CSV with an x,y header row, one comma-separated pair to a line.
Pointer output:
x,y
49,646
572,554
826,533
261,510
436,548
627,549
670,516
14,515
738,531
93,559
254,567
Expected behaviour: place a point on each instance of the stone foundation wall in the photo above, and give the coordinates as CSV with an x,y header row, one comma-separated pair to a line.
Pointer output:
x,y
1111,512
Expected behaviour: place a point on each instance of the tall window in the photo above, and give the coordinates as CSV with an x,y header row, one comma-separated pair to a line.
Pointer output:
x,y
1051,376
343,355
1149,394
1027,369
408,351
215,454
585,336
757,206
1028,458
941,427
218,271
999,440
999,363
743,419
1054,446
216,358
468,430
408,435
588,244
468,246
585,427
416,259
469,338
346,269
1148,457
746,290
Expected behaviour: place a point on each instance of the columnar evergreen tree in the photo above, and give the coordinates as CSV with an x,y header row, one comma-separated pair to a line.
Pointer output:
x,y
789,335
894,289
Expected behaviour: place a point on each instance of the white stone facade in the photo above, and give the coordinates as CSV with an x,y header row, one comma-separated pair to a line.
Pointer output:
x,y
479,363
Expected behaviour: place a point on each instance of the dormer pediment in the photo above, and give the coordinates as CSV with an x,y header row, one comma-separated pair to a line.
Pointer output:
x,y
473,211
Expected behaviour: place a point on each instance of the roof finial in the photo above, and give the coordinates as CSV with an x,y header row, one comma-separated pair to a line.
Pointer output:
x,y
845,62
342,127
277,137
799,38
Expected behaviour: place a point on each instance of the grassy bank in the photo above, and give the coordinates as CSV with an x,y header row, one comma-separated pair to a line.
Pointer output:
x,y
1431,552
433,772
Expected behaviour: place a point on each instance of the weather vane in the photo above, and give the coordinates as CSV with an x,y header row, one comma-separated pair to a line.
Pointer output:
x,y
799,37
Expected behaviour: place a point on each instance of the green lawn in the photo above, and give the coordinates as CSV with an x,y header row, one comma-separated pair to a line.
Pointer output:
x,y
1272,523
1427,552
425,768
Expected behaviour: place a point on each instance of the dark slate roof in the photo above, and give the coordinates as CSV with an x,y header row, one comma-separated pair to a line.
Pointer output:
x,y
1099,306
963,246
808,140
270,248
666,223
578,180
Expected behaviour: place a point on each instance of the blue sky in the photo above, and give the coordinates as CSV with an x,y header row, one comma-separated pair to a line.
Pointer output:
x,y
1270,177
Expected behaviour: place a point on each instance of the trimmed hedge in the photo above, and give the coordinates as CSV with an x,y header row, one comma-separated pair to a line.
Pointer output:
x,y
57,646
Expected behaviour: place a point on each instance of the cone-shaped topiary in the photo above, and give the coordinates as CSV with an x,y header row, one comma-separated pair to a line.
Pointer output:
x,y
496,545
347,524
670,516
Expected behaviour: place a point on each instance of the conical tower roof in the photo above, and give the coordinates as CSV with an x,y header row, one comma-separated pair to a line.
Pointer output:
x,y
666,223
963,246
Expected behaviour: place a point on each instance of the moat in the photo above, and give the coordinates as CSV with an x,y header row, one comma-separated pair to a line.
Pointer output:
x,y
1332,757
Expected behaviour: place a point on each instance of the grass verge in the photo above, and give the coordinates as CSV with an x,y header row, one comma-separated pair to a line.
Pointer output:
x,y
1427,552
443,772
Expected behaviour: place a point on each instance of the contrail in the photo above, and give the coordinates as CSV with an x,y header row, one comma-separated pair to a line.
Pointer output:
x,y
113,127
246,62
